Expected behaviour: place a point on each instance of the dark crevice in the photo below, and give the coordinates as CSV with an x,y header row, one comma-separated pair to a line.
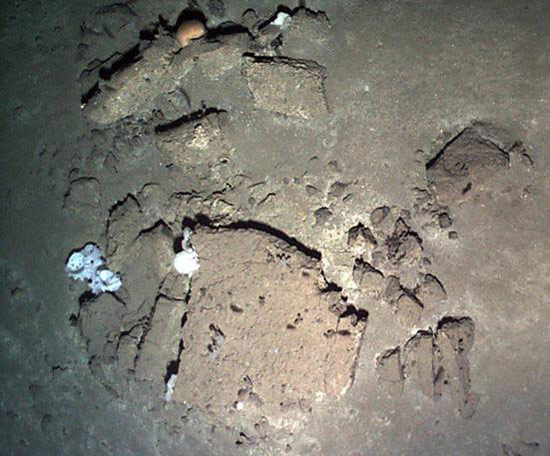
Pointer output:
x,y
258,226
118,204
127,59
362,267
96,64
358,313
191,117
203,220
134,54
177,244
189,14
198,220
158,224
121,61
360,231
235,308
73,319
395,351
228,28
86,298
411,294
183,320
217,340
128,332
174,365
309,64
330,287
437,156
91,93
420,333
433,279
147,324
117,298
243,438
451,320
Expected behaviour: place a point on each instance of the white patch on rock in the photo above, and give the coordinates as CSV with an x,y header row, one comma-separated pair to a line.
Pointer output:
x,y
282,20
88,264
170,385
186,262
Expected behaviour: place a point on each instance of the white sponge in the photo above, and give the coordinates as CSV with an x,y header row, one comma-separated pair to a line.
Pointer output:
x,y
88,264
187,261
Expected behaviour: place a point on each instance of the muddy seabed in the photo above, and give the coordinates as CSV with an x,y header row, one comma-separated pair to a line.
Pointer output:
x,y
367,184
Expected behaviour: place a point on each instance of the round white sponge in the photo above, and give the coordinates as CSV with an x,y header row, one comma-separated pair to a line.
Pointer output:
x,y
186,262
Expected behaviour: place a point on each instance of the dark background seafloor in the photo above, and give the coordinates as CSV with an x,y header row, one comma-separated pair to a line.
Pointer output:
x,y
403,78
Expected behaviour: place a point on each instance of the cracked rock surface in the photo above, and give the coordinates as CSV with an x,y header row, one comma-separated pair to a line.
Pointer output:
x,y
368,199
260,336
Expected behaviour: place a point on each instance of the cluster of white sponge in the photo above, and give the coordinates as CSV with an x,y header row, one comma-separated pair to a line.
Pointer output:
x,y
88,264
